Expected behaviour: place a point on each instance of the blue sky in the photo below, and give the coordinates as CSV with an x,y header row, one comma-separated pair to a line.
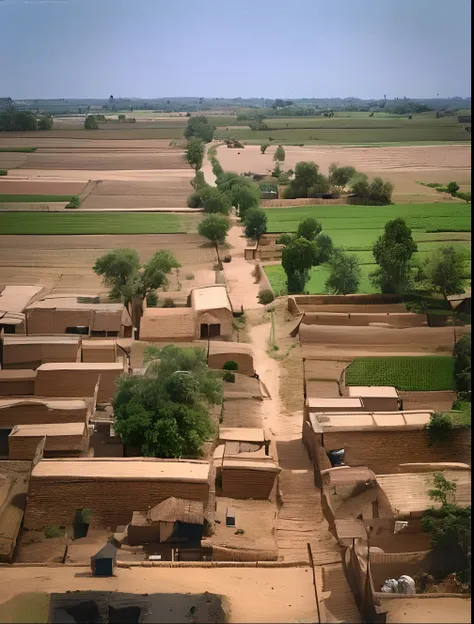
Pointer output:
x,y
232,48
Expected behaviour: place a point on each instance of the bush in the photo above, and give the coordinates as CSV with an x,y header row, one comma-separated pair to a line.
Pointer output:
x,y
230,365
53,530
439,429
229,377
90,123
265,296
169,303
189,276
227,258
75,202
3,172
152,299
194,200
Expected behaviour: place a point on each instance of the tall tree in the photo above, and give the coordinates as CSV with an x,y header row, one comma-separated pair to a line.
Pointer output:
x,y
393,252
166,411
195,152
215,201
279,154
340,176
345,274
308,228
215,228
298,257
255,222
445,270
199,126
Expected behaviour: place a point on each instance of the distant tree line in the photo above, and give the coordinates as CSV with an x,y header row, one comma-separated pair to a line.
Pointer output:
x,y
12,120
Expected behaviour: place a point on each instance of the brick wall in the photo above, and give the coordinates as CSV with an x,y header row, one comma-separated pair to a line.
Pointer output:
x,y
39,414
243,484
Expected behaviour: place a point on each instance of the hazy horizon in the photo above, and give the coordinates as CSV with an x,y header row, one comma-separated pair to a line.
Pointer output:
x,y
149,49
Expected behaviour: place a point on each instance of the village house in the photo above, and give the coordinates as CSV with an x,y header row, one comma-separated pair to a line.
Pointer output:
x,y
17,352
113,489
379,440
17,382
13,302
78,314
209,315
241,353
61,440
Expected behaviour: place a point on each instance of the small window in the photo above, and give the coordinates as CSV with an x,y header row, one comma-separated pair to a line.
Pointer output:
x,y
80,330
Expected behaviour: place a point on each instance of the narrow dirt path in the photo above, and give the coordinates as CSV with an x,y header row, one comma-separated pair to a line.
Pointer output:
x,y
243,289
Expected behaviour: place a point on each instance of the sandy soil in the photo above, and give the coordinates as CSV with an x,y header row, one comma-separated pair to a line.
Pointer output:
x,y
428,610
104,160
37,187
255,595
403,166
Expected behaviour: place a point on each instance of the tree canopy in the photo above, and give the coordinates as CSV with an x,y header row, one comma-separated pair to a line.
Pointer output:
x,y
445,270
340,176
345,273
279,154
165,412
307,182
215,201
12,120
195,152
308,228
393,252
90,123
199,126
255,222
375,193
214,227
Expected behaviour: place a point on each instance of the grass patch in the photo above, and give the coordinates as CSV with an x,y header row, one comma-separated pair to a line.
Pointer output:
x,y
26,150
5,198
423,373
461,417
26,608
96,223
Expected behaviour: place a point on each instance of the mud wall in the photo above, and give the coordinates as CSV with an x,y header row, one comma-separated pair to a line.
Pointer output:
x,y
398,320
262,279
244,483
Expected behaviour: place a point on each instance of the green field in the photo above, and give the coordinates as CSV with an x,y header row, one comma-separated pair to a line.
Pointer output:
x,y
424,373
27,150
97,223
6,198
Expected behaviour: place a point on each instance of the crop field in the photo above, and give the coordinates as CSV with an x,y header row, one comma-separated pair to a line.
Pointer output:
x,y
96,223
405,373
12,198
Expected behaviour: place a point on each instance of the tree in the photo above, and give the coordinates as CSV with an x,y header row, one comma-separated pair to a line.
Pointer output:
x,y
345,274
45,122
215,201
195,152
308,228
199,127
90,123
324,248
445,270
166,411
214,227
245,197
279,154
264,147
452,188
255,222
12,120
297,259
462,364
307,180
116,267
392,252
375,193
340,176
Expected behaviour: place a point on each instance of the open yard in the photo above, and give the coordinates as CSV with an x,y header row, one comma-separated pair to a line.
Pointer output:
x,y
405,373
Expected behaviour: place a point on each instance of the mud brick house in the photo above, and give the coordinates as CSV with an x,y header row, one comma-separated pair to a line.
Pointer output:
x,y
72,379
376,398
78,314
17,382
221,352
99,351
13,301
173,520
381,440
37,411
61,440
209,315
113,489
315,405
244,477
17,352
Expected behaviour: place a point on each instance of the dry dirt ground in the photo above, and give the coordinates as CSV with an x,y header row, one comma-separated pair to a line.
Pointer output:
x,y
403,166
64,263
254,595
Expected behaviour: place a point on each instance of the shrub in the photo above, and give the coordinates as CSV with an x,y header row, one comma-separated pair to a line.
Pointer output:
x,y
152,299
189,276
75,202
3,172
53,530
227,258
194,200
169,303
439,429
230,365
228,377
265,296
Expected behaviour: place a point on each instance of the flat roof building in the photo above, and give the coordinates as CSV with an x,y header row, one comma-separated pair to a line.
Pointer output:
x,y
65,439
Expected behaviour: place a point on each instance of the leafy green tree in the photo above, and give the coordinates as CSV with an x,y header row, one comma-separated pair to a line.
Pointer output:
x,y
279,154
199,126
375,193
308,228
12,120
242,192
452,188
340,176
199,182
116,267
466,196
345,273
307,181
445,270
195,152
324,248
214,201
166,411
393,252
215,228
194,200
264,147
90,123
255,222
45,122
297,259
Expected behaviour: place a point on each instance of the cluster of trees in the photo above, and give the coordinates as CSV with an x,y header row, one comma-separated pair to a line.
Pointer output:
x,y
307,182
12,120
199,126
131,281
166,411
91,123
375,193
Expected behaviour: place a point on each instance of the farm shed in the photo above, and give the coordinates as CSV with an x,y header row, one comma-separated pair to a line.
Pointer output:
x,y
167,324
376,398
212,312
13,302
62,440
461,303
32,351
73,379
103,562
381,440
36,411
78,314
173,520
248,478
221,352
17,382
112,488
99,351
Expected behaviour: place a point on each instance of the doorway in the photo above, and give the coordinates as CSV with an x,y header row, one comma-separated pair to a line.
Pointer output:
x,y
210,331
